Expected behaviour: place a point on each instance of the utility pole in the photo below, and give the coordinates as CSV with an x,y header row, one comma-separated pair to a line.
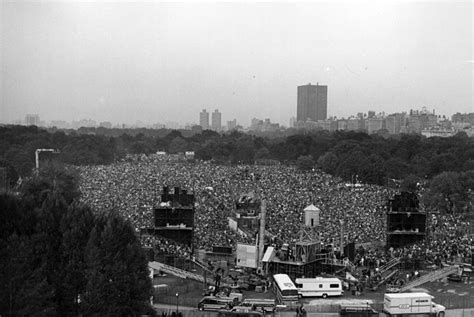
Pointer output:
x,y
342,238
177,307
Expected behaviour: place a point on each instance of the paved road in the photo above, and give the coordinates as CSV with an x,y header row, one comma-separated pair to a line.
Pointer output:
x,y
165,307
468,312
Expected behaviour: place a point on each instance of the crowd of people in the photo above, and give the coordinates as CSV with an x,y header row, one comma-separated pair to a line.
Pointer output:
x,y
132,187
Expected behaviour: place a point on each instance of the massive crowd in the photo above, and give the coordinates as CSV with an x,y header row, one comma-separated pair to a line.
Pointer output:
x,y
132,187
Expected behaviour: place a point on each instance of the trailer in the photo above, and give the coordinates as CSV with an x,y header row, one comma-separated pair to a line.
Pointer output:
x,y
319,286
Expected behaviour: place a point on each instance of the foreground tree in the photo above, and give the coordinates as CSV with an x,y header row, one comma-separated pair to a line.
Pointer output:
x,y
55,254
25,289
117,275
76,228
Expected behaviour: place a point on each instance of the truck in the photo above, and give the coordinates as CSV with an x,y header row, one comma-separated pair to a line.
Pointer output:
x,y
411,305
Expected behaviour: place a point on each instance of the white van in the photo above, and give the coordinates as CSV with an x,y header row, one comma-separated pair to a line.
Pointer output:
x,y
319,286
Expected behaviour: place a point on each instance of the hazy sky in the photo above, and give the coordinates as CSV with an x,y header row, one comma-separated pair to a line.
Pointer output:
x,y
165,61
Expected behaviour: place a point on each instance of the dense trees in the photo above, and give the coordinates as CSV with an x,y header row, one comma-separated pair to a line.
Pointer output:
x,y
58,258
350,155
305,162
451,191
116,272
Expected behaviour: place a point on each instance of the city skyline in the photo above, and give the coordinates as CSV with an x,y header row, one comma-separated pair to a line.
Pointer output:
x,y
164,62
370,121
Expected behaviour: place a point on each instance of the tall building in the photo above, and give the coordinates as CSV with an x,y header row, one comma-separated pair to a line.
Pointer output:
x,y
312,103
292,122
216,120
32,119
204,119
232,125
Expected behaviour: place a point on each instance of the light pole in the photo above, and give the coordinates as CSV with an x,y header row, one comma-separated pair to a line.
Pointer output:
x,y
37,152
177,297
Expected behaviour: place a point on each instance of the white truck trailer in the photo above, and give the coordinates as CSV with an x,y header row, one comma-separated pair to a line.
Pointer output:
x,y
411,305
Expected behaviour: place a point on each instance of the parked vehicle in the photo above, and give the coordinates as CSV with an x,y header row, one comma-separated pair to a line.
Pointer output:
x,y
285,290
319,286
259,304
216,303
412,305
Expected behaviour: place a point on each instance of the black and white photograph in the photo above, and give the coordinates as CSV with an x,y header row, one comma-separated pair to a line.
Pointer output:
x,y
244,158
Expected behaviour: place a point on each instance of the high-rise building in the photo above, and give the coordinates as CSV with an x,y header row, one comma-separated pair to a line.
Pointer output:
x,y
32,119
292,122
232,125
204,119
312,103
216,120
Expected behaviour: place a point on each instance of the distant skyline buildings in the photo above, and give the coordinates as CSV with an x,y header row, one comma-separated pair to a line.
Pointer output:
x,y
32,119
312,102
204,119
312,109
216,123
421,121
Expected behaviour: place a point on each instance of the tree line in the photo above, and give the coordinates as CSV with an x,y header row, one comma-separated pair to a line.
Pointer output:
x,y
353,156
373,158
59,258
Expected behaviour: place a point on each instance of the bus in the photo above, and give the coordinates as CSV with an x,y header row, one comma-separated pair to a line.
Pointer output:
x,y
319,286
286,292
